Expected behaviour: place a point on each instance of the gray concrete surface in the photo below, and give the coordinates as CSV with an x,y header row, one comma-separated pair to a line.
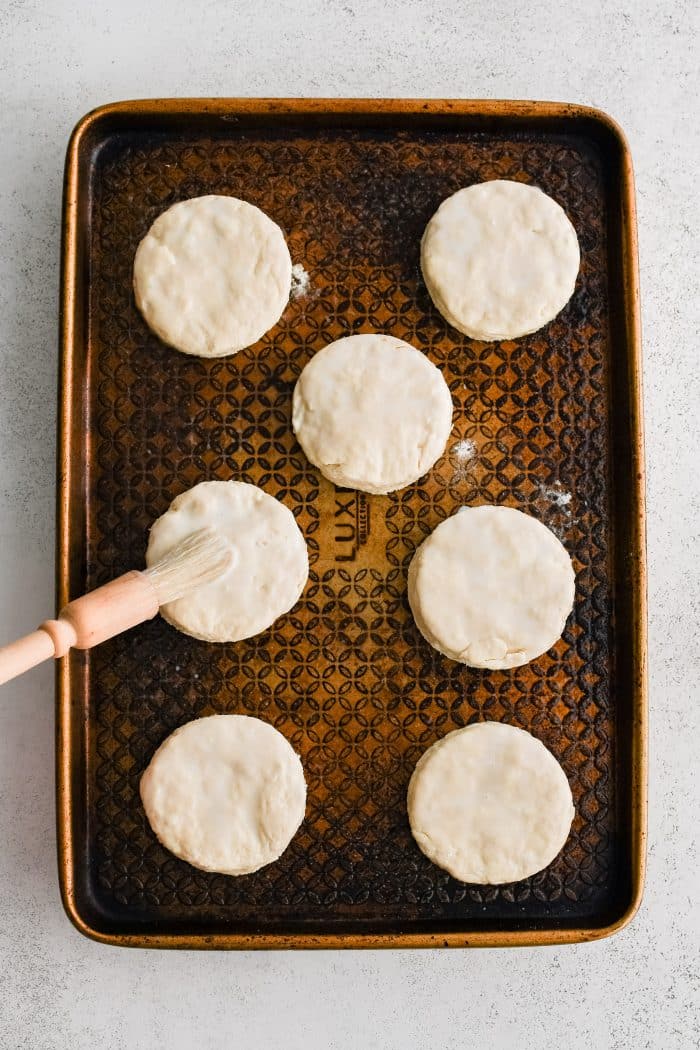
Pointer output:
x,y
639,61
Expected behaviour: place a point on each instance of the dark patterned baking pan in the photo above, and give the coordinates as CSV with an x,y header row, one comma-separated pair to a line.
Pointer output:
x,y
549,423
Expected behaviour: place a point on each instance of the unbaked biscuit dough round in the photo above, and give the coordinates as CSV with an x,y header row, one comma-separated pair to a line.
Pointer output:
x,y
490,804
225,793
500,259
269,568
372,413
491,587
212,275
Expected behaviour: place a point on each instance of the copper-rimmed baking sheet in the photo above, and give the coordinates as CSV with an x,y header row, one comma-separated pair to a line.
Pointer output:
x,y
550,424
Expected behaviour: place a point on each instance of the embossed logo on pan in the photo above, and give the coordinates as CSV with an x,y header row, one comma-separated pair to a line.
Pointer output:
x,y
350,524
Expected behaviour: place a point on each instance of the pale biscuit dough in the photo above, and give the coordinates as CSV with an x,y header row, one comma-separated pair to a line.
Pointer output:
x,y
212,275
490,804
269,569
491,587
225,793
500,259
372,413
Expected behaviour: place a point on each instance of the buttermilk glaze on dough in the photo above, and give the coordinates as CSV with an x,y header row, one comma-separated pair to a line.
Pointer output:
x,y
270,565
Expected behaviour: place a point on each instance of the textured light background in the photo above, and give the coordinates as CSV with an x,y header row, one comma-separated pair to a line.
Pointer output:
x,y
638,61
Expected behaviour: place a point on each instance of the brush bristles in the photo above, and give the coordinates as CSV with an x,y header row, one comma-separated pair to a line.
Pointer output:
x,y
199,559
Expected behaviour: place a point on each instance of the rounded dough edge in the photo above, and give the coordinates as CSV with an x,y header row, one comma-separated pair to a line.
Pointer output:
x,y
516,658
169,324
558,800
257,520
513,330
437,413
273,842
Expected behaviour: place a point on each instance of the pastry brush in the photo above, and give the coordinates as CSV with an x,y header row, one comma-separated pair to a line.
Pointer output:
x,y
123,603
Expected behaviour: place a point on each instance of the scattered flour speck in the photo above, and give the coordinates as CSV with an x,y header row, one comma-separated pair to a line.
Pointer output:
x,y
300,281
558,496
463,450
460,454
559,501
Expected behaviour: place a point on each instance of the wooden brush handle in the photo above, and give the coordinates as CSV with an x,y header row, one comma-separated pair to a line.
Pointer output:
x,y
87,621
19,656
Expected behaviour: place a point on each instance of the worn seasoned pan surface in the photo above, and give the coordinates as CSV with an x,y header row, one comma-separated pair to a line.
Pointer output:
x,y
549,423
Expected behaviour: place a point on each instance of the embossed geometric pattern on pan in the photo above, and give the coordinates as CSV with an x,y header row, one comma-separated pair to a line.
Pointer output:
x,y
345,677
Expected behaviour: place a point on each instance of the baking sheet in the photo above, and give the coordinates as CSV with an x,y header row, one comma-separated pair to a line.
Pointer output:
x,y
549,423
